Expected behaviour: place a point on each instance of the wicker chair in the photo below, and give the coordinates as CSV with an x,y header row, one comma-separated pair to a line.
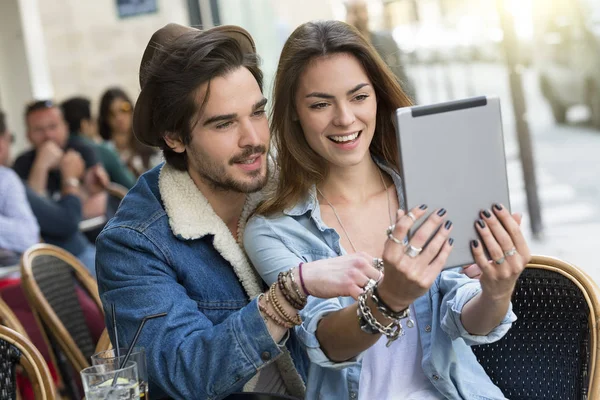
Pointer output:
x,y
551,352
49,278
10,320
16,350
103,343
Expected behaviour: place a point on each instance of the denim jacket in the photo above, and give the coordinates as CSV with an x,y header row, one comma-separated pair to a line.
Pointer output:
x,y
299,235
167,251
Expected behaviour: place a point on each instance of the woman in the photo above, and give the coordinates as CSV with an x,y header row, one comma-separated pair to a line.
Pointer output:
x,y
114,125
338,190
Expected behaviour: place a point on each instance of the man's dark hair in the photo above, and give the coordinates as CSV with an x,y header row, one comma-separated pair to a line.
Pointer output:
x,y
2,124
75,110
174,75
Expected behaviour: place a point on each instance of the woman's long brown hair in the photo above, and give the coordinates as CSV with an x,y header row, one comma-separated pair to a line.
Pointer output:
x,y
299,166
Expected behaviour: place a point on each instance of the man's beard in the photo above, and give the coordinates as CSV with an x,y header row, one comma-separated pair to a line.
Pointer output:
x,y
215,174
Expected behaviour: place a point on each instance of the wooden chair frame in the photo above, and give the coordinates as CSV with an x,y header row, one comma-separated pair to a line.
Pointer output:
x,y
44,312
116,190
591,293
104,342
10,320
33,364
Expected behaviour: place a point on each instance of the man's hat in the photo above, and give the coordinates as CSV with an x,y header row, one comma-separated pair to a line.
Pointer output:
x,y
142,118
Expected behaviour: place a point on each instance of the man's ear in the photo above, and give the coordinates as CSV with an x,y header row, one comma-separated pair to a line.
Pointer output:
x,y
174,142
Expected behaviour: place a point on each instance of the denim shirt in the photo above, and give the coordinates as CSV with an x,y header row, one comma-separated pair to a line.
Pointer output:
x,y
167,251
299,234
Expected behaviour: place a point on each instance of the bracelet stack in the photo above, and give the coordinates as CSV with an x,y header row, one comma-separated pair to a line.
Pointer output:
x,y
289,288
369,324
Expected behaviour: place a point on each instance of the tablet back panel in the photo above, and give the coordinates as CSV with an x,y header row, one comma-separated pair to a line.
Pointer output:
x,y
452,156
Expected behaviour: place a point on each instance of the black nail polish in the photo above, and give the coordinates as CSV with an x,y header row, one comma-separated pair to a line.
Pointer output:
x,y
475,243
448,224
442,212
486,213
498,206
423,206
451,241
481,223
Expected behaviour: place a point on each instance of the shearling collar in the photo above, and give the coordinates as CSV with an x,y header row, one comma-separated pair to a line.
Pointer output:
x,y
191,217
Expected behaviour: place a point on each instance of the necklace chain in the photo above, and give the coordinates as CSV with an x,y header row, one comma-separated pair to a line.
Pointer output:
x,y
387,195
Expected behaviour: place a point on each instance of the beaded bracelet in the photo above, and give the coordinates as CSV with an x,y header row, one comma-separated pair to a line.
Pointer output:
x,y
279,309
281,281
270,315
296,288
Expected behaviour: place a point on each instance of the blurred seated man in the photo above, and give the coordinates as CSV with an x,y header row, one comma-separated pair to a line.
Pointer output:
x,y
39,168
78,115
357,15
18,226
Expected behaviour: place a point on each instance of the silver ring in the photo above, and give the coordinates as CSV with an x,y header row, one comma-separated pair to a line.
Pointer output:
x,y
370,284
411,216
413,251
378,263
380,276
510,252
499,261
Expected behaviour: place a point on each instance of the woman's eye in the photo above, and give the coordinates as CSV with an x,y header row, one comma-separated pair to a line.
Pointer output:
x,y
318,106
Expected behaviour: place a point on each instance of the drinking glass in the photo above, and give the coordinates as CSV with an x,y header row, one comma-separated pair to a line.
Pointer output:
x,y
138,355
98,382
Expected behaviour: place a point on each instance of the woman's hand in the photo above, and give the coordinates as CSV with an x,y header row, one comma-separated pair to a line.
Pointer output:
x,y
502,236
340,276
473,271
409,276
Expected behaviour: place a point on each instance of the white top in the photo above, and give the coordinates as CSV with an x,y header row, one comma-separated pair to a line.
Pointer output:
x,y
395,372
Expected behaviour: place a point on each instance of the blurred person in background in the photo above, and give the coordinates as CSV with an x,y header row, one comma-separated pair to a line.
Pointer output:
x,y
357,15
18,226
47,131
115,126
78,115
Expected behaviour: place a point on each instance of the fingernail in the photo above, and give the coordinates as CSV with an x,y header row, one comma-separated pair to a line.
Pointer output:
x,y
423,206
481,223
451,241
448,224
475,243
486,213
441,212
498,206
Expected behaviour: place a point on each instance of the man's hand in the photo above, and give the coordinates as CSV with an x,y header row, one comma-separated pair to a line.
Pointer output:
x,y
72,165
96,180
49,155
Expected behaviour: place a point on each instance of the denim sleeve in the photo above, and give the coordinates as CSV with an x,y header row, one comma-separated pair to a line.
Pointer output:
x,y
188,356
457,289
267,249
270,255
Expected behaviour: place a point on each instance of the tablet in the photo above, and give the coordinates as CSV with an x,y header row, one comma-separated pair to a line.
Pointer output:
x,y
452,156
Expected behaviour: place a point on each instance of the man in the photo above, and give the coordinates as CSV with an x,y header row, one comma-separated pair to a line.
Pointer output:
x,y
53,172
78,115
48,133
18,226
173,245
357,15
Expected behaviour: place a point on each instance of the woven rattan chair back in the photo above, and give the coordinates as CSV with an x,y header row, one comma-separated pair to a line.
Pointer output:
x,y
550,352
15,350
50,276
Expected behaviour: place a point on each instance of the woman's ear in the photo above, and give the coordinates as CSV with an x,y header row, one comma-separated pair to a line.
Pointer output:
x,y
174,142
